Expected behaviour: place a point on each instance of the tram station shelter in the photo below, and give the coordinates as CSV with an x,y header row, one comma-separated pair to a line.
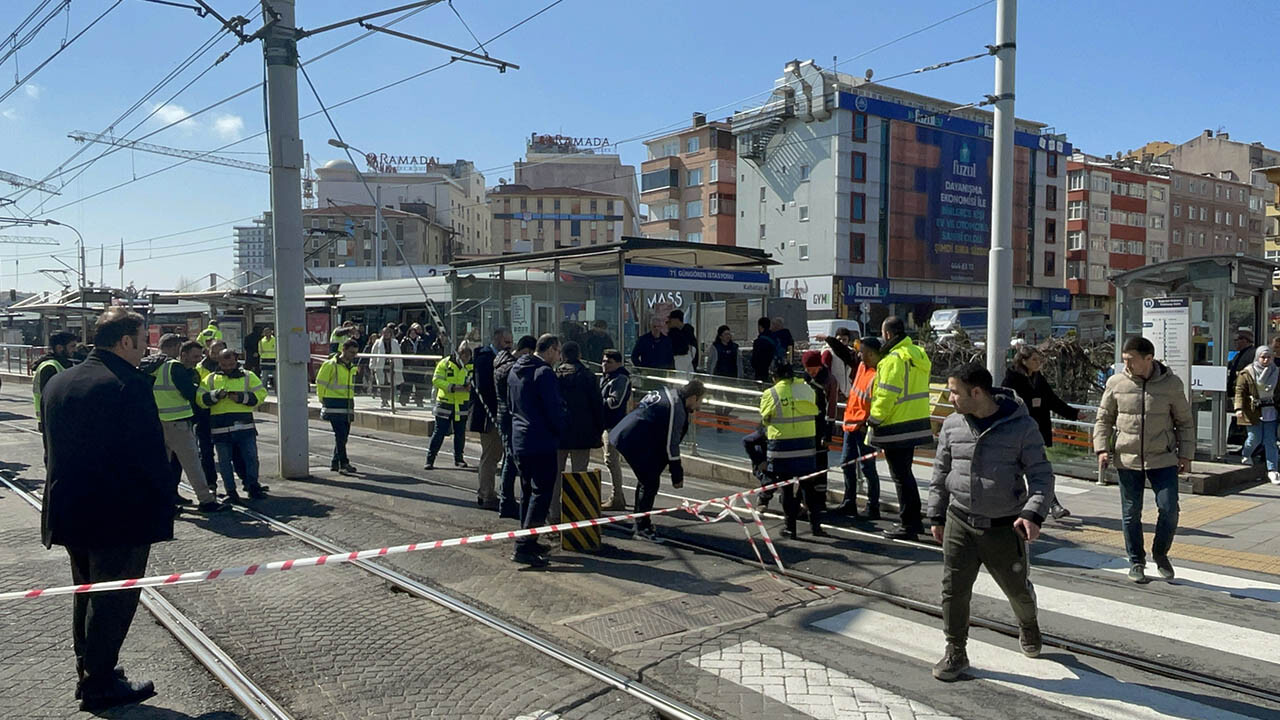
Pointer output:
x,y
1192,310
625,284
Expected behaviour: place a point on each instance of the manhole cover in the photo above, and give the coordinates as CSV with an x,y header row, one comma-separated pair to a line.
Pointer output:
x,y
626,627
769,595
697,611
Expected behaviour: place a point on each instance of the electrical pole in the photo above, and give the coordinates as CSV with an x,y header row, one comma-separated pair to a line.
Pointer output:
x,y
377,234
1000,270
280,52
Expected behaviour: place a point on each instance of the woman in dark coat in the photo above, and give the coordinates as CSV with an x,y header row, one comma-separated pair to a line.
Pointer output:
x,y
724,362
1026,380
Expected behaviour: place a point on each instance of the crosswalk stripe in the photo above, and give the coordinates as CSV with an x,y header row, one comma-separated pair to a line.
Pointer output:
x,y
812,688
1083,691
1227,638
1202,579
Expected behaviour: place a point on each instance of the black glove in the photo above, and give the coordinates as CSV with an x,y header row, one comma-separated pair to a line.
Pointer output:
x,y
677,475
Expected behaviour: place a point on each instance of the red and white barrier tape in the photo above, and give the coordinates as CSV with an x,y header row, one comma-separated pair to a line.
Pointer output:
x,y
200,576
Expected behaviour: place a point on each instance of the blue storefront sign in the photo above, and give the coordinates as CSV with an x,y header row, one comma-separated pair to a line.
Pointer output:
x,y
1059,299
950,123
659,277
857,290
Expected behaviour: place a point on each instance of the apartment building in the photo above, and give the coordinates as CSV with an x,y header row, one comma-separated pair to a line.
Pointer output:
x,y
689,184
255,253
1117,220
1214,216
554,162
342,236
527,219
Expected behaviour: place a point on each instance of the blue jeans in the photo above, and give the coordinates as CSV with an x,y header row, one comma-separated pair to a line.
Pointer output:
x,y
245,445
508,505
855,445
1264,433
1164,483
537,482
443,427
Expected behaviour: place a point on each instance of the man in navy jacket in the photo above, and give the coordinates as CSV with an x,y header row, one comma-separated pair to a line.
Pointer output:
x,y
537,420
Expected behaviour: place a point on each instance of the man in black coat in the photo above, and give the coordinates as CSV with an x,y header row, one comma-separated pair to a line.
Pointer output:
x,y
108,496
508,505
484,414
584,417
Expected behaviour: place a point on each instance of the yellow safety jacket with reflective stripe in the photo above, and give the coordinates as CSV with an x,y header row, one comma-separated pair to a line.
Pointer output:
x,y
228,415
204,372
169,401
267,348
36,388
789,412
210,333
451,403
335,386
900,398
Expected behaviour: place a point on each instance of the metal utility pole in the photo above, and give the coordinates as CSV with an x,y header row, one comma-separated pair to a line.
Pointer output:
x,y
1000,269
280,52
377,234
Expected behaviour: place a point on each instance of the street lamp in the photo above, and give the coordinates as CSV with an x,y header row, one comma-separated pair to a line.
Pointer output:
x,y
377,209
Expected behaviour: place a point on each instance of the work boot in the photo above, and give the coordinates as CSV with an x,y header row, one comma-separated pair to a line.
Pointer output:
x,y
234,498
617,502
1029,639
871,514
180,499
816,530
648,535
530,559
431,464
119,671
258,493
349,468
1059,512
335,466
954,662
1138,573
120,691
847,508
212,506
460,463
1164,566
490,504
899,532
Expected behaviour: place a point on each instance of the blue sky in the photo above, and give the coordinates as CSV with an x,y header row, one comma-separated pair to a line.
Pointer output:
x,y
1110,75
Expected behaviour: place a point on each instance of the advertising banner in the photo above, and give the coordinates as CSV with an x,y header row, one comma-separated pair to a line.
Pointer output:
x,y
815,291
939,204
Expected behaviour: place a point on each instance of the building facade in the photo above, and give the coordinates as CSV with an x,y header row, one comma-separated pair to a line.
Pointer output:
x,y
342,236
689,184
1214,216
255,253
525,219
454,192
886,196
1117,220
556,162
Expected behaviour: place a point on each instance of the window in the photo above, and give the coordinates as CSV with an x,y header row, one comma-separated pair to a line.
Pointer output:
x,y
1101,183
1075,209
1075,239
1101,214
1217,191
1157,253
804,252
666,149
859,167
1050,261
1051,167
1135,247
670,211
1204,214
1051,197
539,203
1050,231
715,204
858,210
762,194
1177,237
1241,196
693,237
556,204
1201,239
1157,194
860,127
1217,217
804,172
1117,246
1177,182
693,144
1228,220
693,209
1075,269
593,206
1177,210
1097,242
1119,217
1138,191
1240,218
804,213
1119,188
524,203
762,231
1157,222
1137,219
714,171
694,178
1075,180
857,247
1097,272
655,180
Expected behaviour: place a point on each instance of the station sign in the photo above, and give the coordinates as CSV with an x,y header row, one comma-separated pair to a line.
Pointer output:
x,y
1166,322
658,277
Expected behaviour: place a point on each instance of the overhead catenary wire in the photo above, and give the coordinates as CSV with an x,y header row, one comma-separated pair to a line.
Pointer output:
x,y
16,44
56,53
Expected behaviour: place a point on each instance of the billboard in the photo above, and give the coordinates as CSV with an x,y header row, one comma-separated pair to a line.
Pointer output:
x,y
815,291
939,204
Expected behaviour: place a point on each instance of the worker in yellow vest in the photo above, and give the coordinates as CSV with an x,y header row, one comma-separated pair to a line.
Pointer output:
x,y
336,388
899,418
267,356
174,383
62,345
789,413
453,401
231,393
209,334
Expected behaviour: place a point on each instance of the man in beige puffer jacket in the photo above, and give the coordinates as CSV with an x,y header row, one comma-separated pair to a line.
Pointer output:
x,y
1145,408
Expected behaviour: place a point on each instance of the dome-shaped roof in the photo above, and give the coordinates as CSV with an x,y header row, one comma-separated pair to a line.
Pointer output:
x,y
339,164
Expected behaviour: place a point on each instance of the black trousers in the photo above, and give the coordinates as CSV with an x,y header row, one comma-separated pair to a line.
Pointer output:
x,y
100,621
537,483
647,480
900,468
341,425
204,436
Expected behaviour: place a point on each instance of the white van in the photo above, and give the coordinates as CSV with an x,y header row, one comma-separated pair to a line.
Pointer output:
x,y
972,320
829,327
1089,325
1034,329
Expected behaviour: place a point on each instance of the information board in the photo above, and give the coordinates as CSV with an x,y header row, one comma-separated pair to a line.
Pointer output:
x,y
1166,322
521,315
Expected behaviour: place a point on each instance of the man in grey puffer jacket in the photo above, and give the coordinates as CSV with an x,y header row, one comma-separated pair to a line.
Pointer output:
x,y
992,486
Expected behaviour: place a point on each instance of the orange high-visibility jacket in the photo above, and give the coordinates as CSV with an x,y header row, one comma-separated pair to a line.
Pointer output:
x,y
858,407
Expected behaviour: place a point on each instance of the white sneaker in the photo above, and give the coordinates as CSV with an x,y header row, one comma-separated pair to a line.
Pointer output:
x,y
1274,477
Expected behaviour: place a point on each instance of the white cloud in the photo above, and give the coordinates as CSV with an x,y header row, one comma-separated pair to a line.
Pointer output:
x,y
166,114
33,91
229,127
9,114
